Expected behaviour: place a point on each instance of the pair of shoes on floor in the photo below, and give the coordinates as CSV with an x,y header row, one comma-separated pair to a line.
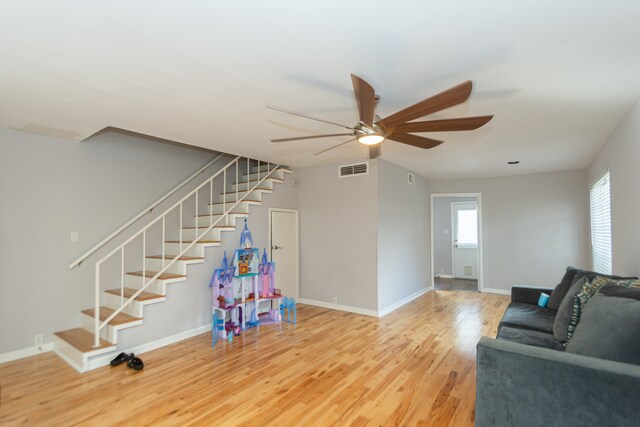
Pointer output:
x,y
132,361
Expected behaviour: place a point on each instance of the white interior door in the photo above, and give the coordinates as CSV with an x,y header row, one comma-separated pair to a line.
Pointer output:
x,y
465,239
284,250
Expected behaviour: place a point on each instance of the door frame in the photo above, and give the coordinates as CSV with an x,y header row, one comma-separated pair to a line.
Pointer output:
x,y
297,249
453,237
478,197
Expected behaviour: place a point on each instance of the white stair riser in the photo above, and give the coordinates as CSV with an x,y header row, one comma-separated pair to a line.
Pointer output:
x,y
157,287
243,206
190,234
178,267
233,220
242,186
253,195
109,333
134,308
264,167
77,359
279,174
195,250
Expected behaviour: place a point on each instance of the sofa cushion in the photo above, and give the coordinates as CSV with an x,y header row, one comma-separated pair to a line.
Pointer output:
x,y
561,322
529,337
589,289
609,326
527,316
561,290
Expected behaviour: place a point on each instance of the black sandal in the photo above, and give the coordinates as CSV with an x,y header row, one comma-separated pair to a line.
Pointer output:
x,y
136,363
121,358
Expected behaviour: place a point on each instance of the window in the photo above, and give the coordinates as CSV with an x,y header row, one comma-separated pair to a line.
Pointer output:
x,y
467,228
601,224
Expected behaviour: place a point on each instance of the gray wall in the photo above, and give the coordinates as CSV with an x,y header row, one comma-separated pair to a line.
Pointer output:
x,y
338,236
442,258
55,186
533,226
621,153
403,218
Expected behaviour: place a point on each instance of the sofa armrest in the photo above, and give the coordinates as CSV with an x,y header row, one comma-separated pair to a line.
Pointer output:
x,y
527,294
521,385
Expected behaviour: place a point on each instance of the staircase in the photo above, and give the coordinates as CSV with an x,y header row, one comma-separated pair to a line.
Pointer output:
x,y
143,275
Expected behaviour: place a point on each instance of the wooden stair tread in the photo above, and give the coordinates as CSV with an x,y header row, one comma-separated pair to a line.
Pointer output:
x,y
128,292
219,214
82,340
252,189
120,319
163,276
228,203
190,241
182,258
279,180
202,227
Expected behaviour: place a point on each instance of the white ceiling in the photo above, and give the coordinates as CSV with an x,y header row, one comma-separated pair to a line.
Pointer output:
x,y
557,75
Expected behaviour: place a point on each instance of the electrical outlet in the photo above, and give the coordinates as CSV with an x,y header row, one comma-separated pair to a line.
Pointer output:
x,y
74,236
335,300
39,340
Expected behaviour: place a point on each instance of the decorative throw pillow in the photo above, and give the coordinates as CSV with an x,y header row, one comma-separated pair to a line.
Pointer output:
x,y
561,322
609,326
561,290
589,289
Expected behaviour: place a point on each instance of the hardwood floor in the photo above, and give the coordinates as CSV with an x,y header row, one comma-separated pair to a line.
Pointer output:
x,y
415,366
446,284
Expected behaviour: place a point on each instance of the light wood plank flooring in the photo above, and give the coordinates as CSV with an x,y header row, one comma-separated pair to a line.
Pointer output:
x,y
415,366
442,284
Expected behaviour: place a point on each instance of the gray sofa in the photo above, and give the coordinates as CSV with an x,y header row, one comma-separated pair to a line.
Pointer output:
x,y
525,378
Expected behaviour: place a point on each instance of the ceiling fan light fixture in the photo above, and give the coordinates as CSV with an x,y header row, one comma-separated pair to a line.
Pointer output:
x,y
370,139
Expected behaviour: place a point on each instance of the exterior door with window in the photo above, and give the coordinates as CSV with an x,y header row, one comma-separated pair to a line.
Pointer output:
x,y
465,240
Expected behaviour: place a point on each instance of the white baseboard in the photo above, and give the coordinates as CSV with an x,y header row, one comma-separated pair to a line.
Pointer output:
x,y
364,311
350,309
444,276
25,352
143,348
402,302
497,291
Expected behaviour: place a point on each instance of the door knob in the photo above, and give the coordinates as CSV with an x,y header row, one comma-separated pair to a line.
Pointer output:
x,y
276,247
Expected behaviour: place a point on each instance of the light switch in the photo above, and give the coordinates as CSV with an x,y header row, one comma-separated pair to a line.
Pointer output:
x,y
74,236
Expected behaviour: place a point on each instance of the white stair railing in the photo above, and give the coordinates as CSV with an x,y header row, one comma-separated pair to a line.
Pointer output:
x,y
227,208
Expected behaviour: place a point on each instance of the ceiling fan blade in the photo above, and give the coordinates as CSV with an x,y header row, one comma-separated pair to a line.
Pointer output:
x,y
375,151
328,135
335,146
466,123
365,98
415,140
450,97
282,110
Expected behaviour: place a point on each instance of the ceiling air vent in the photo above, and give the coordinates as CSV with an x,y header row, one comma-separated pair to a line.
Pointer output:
x,y
355,169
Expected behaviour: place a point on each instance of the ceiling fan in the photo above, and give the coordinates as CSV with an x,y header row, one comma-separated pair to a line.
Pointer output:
x,y
371,130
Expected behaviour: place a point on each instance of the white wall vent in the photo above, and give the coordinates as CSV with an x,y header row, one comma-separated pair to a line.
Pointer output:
x,y
355,169
411,179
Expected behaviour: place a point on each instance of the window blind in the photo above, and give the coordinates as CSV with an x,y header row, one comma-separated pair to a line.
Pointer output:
x,y
600,204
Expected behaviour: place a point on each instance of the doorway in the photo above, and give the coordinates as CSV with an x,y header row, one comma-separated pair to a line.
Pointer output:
x,y
456,241
283,241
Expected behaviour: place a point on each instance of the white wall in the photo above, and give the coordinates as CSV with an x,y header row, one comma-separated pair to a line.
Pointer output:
x,y
442,256
403,222
50,187
534,226
338,236
621,154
